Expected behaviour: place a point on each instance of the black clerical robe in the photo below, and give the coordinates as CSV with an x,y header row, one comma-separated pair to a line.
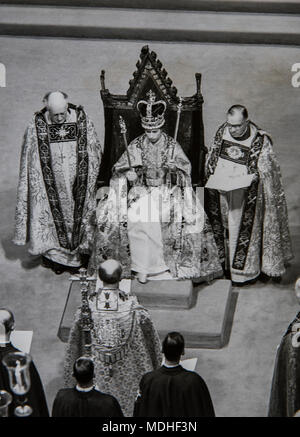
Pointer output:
x,y
173,392
36,395
285,389
70,402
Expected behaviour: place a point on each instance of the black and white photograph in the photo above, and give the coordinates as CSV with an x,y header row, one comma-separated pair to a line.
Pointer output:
x,y
149,211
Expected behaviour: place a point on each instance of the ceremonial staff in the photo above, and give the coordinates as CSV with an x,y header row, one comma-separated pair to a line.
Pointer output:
x,y
179,107
86,321
179,238
123,132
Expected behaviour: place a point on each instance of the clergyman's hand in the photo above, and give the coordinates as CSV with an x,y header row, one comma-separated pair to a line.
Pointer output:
x,y
123,295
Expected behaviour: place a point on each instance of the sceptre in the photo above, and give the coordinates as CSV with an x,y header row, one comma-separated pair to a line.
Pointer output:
x,y
179,108
178,244
123,132
86,321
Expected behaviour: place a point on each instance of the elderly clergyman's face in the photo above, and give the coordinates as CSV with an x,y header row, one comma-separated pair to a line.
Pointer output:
x,y
237,124
58,115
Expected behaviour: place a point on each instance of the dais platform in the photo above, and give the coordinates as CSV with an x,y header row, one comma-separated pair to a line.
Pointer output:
x,y
164,293
203,314
207,323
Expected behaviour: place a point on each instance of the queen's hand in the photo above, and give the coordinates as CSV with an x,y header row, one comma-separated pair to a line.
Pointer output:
x,y
172,165
131,175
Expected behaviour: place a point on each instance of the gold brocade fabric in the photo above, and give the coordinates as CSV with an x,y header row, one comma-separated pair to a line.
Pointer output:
x,y
34,222
269,248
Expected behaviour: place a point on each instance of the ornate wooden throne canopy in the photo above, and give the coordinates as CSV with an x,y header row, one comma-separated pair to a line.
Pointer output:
x,y
150,74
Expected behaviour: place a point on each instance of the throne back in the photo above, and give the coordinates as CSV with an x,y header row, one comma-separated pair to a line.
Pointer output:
x,y
150,74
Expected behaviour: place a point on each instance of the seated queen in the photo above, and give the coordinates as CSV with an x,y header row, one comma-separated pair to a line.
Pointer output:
x,y
150,219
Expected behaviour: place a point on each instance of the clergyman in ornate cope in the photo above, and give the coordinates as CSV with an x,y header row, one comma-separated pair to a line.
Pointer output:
x,y
60,161
124,341
150,219
246,201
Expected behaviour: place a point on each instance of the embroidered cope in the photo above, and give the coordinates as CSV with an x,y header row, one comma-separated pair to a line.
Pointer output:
x,y
57,186
250,224
125,345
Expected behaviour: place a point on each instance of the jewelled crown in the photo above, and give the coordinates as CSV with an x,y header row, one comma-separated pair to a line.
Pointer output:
x,y
152,112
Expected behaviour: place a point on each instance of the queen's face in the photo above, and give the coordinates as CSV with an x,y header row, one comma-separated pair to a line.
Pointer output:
x,y
153,135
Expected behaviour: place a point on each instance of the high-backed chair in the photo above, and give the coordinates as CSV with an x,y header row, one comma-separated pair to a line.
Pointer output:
x,y
150,74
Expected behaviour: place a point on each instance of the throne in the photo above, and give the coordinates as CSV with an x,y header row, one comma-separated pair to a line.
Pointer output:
x,y
150,74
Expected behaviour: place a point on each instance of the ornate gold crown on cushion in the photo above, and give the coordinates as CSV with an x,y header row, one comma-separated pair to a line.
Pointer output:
x,y
152,112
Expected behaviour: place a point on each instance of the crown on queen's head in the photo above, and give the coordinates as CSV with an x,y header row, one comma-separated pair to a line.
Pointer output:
x,y
152,112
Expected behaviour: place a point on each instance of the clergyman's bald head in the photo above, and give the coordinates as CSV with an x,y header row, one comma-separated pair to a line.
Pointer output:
x,y
7,320
110,271
56,101
237,114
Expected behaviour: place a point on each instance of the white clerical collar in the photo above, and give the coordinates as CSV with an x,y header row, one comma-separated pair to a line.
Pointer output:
x,y
169,366
84,389
110,288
